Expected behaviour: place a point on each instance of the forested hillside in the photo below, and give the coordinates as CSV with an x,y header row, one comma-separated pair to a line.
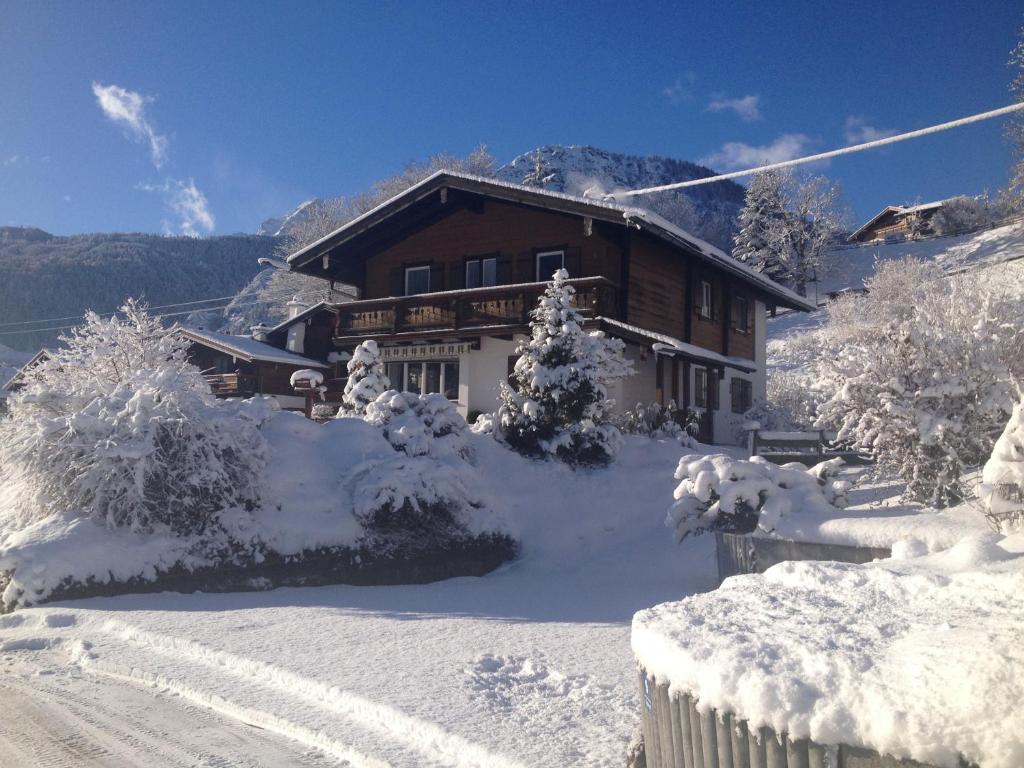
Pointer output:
x,y
48,276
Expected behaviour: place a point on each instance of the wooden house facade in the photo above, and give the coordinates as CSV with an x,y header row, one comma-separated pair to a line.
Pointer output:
x,y
897,222
448,271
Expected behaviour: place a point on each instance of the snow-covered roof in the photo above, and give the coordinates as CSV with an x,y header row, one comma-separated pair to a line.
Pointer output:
x,y
606,209
663,343
21,371
248,349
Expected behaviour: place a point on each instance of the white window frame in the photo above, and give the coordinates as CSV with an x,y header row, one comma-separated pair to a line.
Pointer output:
x,y
409,270
481,260
536,263
707,297
423,375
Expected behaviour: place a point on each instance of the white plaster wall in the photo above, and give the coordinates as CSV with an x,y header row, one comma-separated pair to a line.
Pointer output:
x,y
640,387
479,374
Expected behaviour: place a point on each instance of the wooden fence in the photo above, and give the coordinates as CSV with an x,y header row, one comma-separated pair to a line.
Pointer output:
x,y
805,447
678,735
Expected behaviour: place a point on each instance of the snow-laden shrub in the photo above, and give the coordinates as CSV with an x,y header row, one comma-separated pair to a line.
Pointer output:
x,y
921,372
418,425
1002,478
660,422
557,403
718,492
366,378
118,427
962,214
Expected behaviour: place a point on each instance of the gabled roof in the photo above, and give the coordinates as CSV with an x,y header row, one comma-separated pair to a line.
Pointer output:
x,y
320,305
664,344
248,349
605,210
896,209
42,353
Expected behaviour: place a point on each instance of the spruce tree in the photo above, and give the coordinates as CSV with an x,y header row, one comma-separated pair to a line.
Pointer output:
x,y
557,403
763,224
366,379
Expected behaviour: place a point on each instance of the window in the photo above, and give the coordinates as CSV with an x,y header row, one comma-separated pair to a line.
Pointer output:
x,y
481,273
700,387
706,307
548,262
425,378
740,314
417,280
742,395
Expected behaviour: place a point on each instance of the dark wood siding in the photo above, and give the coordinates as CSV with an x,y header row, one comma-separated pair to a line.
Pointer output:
x,y
511,233
657,285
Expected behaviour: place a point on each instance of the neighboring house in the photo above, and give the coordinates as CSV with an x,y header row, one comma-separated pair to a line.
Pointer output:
x,y
448,271
896,221
17,381
241,366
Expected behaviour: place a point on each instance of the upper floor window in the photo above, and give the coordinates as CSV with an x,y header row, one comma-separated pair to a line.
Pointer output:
x,y
740,314
417,280
548,262
482,272
707,300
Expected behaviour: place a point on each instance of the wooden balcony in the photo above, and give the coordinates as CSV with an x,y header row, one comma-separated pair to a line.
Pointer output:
x,y
503,308
232,384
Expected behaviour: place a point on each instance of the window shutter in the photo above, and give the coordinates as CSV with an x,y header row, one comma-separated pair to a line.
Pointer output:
x,y
437,277
506,269
457,276
525,268
397,282
574,262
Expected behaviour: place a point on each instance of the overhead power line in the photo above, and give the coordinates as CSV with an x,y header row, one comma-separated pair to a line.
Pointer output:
x,y
824,155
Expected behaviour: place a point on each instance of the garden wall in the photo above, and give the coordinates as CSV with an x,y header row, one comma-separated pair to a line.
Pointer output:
x,y
738,553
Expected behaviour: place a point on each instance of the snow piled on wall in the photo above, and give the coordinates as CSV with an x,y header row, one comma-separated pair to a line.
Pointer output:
x,y
918,658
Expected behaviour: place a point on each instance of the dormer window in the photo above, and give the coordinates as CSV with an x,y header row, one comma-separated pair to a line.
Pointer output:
x,y
417,280
549,262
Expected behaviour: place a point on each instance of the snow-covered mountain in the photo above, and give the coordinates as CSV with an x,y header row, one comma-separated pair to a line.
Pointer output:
x,y
708,211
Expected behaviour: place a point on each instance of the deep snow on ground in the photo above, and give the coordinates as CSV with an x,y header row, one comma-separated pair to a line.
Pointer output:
x,y
529,666
918,657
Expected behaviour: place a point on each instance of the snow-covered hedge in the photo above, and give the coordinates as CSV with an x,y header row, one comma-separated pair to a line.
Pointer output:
x,y
660,422
718,492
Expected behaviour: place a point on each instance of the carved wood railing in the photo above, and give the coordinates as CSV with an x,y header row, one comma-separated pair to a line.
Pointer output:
x,y
498,306
231,384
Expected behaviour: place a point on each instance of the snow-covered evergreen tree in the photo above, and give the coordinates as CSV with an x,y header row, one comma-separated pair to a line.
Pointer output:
x,y
922,371
1003,476
558,401
367,379
787,225
117,426
761,240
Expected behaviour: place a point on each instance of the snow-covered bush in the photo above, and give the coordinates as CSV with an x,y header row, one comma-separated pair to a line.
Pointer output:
x,y
366,378
419,425
558,403
660,422
922,371
718,492
1002,478
961,214
118,427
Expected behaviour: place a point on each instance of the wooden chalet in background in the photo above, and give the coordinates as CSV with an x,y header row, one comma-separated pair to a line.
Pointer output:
x,y
448,271
896,221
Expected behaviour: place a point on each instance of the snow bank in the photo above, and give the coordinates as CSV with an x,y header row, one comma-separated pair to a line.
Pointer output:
x,y
1003,475
322,482
918,658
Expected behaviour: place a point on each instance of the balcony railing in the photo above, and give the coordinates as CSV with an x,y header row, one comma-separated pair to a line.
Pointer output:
x,y
503,306
231,384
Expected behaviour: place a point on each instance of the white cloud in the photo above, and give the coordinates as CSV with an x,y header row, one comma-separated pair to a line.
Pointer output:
x,y
735,154
681,90
857,131
12,160
128,109
188,203
747,107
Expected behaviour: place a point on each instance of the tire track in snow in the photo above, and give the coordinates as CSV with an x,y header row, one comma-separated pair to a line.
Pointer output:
x,y
427,739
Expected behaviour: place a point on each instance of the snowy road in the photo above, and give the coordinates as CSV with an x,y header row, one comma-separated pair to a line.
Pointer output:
x,y
56,715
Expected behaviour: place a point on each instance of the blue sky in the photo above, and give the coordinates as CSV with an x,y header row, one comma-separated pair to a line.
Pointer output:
x,y
219,115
